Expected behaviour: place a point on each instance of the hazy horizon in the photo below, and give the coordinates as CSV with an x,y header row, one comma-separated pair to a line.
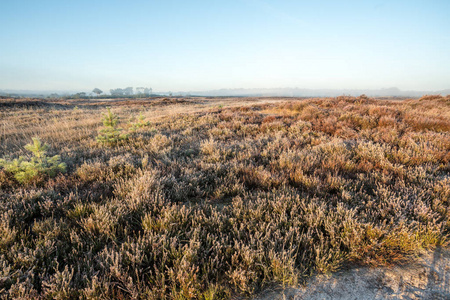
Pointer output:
x,y
248,44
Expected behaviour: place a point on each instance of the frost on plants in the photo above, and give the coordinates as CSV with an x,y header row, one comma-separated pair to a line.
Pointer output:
x,y
110,135
38,168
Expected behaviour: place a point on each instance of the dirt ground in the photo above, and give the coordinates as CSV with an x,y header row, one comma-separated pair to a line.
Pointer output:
x,y
425,277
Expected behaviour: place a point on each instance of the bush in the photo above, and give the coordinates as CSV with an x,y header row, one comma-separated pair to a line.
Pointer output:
x,y
140,122
38,168
110,135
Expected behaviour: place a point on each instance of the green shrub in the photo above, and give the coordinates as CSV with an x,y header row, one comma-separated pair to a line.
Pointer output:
x,y
110,135
140,122
38,168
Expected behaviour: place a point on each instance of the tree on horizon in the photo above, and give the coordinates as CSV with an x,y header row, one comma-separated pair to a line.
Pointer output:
x,y
97,91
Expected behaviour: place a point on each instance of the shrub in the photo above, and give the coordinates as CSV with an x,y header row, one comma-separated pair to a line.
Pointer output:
x,y
38,168
139,123
110,135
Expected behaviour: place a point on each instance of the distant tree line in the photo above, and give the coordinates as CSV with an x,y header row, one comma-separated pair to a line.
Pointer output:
x,y
122,92
140,91
127,92
144,91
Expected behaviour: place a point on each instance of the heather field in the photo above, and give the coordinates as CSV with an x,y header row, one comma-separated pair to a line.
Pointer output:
x,y
218,198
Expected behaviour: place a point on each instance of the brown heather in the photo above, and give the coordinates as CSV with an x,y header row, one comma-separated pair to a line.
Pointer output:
x,y
218,199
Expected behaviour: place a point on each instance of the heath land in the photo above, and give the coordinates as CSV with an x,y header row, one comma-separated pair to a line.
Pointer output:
x,y
198,198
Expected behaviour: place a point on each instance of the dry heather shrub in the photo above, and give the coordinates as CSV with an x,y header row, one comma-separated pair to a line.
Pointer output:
x,y
430,97
59,285
80,210
299,128
387,121
121,166
140,186
160,144
92,171
23,290
300,179
99,223
6,180
7,233
208,119
275,126
310,112
208,147
220,133
372,156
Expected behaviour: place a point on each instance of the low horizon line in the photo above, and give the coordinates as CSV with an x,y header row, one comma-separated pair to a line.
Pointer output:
x,y
241,88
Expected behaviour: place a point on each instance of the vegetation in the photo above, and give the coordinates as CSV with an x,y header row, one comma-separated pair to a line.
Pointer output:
x,y
222,202
36,170
97,91
110,135
139,122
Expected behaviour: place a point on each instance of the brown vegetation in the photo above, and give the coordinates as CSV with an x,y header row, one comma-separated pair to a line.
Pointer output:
x,y
221,201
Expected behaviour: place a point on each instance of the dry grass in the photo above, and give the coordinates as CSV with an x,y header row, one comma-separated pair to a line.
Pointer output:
x,y
218,199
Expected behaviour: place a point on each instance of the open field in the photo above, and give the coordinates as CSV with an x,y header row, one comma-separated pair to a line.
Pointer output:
x,y
219,198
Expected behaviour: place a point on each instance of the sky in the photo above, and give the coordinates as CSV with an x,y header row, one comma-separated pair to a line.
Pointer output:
x,y
204,45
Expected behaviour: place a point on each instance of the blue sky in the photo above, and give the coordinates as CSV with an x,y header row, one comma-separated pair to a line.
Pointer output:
x,y
203,45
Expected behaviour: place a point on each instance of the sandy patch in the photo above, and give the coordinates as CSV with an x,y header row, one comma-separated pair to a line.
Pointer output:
x,y
427,277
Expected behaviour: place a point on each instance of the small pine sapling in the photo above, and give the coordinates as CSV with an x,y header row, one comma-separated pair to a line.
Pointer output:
x,y
110,135
38,168
140,122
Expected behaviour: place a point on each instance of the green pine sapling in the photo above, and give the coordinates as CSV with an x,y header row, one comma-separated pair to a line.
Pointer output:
x,y
38,168
140,122
110,135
